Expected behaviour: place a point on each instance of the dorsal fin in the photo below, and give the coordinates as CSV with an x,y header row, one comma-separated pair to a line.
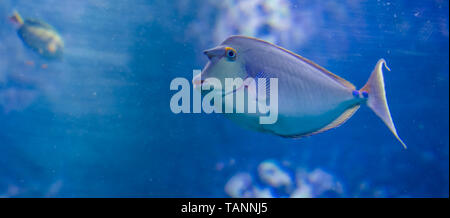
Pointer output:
x,y
336,123
325,71
321,69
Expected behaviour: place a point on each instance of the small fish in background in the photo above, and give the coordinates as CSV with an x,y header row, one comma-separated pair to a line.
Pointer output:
x,y
40,37
311,99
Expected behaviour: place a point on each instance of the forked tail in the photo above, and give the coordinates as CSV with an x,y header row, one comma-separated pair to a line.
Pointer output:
x,y
376,101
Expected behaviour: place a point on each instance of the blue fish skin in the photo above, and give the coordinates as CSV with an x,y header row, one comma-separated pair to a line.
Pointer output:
x,y
303,87
310,98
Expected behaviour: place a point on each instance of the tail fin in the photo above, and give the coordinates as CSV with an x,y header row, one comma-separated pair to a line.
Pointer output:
x,y
377,97
16,18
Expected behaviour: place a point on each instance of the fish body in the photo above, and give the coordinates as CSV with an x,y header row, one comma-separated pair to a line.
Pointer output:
x,y
40,37
310,98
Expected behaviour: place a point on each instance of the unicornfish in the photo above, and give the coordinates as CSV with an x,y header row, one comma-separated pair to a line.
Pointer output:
x,y
311,99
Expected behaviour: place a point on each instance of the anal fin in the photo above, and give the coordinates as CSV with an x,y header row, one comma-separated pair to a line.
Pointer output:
x,y
336,123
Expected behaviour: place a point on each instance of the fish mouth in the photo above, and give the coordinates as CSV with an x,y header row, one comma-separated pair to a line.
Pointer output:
x,y
198,82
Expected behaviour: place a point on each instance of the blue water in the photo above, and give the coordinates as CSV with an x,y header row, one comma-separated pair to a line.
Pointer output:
x,y
98,123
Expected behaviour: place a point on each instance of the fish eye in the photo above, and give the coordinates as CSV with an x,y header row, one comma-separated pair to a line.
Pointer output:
x,y
230,53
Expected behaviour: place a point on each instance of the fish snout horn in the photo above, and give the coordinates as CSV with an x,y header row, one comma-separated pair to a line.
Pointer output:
x,y
214,52
208,54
